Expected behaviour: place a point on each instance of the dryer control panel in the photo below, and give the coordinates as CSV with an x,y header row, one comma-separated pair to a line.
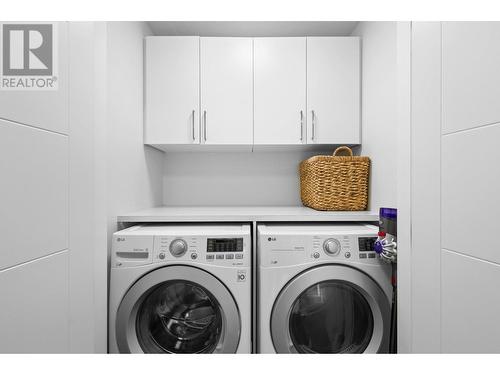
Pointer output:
x,y
222,245
280,245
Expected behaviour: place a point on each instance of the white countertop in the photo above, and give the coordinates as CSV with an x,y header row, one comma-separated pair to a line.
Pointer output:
x,y
243,213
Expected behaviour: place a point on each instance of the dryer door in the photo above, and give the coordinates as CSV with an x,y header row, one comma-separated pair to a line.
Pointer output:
x,y
178,309
331,309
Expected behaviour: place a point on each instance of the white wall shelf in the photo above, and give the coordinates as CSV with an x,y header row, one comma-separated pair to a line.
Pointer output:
x,y
242,213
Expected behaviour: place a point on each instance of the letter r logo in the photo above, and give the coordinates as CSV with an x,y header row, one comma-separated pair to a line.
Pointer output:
x,y
27,49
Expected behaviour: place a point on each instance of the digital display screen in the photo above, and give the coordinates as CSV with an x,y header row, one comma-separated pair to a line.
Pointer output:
x,y
224,245
366,243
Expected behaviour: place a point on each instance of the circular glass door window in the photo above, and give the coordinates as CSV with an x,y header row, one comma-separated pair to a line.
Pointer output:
x,y
179,317
331,317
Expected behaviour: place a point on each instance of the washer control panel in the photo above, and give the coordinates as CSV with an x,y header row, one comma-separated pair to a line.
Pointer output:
x,y
223,245
332,247
284,245
217,250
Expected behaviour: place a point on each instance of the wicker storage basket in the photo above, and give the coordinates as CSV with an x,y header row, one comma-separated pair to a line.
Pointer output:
x,y
335,183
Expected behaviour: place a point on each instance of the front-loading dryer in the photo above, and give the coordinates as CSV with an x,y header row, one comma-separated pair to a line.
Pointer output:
x,y
322,289
180,289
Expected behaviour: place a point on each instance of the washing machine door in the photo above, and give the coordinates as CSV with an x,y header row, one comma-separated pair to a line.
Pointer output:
x,y
331,309
178,309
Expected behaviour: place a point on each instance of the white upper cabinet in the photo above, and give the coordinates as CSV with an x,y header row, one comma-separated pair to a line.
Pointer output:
x,y
279,91
172,89
207,92
333,90
226,91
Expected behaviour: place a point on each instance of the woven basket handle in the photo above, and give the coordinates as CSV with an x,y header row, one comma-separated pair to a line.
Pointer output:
x,y
341,149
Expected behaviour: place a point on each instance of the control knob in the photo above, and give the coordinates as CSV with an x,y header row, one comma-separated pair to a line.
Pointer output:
x,y
178,247
331,246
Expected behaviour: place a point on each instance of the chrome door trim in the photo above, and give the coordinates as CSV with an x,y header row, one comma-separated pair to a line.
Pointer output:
x,y
374,295
126,336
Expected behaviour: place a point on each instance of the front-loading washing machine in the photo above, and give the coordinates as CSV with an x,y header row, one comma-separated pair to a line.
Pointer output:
x,y
180,289
322,289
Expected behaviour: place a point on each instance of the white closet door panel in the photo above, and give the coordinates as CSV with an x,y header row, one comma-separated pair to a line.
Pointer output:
x,y
470,305
470,186
34,191
333,90
471,74
172,87
279,90
34,315
43,109
226,90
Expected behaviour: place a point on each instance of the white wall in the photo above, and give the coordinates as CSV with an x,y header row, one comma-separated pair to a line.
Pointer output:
x,y
34,228
404,184
271,178
100,206
68,175
87,265
455,117
425,197
50,200
232,179
379,114
134,171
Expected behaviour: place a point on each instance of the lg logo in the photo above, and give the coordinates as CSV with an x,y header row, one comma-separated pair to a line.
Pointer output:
x,y
29,56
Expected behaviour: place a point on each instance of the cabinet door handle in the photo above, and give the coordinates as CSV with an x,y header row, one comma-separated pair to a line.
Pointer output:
x,y
192,114
205,125
313,125
301,125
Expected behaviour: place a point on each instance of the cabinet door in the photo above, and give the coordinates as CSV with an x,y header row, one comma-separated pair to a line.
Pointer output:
x,y
172,90
226,91
279,90
333,90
